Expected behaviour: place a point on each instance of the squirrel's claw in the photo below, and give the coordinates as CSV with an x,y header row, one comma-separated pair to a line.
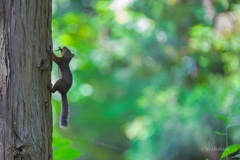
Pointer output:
x,y
59,49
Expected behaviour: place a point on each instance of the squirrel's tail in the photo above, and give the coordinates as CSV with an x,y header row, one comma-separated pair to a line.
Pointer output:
x,y
65,112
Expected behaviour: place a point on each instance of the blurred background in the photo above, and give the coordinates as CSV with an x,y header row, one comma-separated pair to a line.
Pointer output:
x,y
153,79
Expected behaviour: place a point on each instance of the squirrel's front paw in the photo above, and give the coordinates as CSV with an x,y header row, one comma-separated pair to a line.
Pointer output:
x,y
49,52
49,86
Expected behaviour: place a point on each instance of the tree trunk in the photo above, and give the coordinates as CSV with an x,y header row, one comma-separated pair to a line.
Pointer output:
x,y
25,102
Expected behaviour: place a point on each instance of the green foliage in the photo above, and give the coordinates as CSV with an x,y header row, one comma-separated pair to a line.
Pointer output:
x,y
155,79
63,150
231,149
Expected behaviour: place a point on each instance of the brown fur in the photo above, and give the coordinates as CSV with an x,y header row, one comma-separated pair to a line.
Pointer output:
x,y
64,83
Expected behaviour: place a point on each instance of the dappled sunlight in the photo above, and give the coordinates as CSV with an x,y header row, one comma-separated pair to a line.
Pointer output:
x,y
139,129
86,90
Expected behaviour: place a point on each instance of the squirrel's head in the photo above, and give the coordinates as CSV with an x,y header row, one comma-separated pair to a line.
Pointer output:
x,y
67,53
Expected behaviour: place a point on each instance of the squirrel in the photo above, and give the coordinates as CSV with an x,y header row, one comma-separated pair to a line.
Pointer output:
x,y
64,83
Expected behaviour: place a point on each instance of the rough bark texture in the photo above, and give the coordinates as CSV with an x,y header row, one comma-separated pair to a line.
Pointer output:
x,y
25,104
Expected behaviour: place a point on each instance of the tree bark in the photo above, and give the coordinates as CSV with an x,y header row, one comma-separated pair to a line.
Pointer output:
x,y
25,72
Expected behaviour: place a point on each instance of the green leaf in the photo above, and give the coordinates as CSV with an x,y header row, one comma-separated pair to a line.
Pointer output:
x,y
67,153
222,118
61,142
229,150
220,133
